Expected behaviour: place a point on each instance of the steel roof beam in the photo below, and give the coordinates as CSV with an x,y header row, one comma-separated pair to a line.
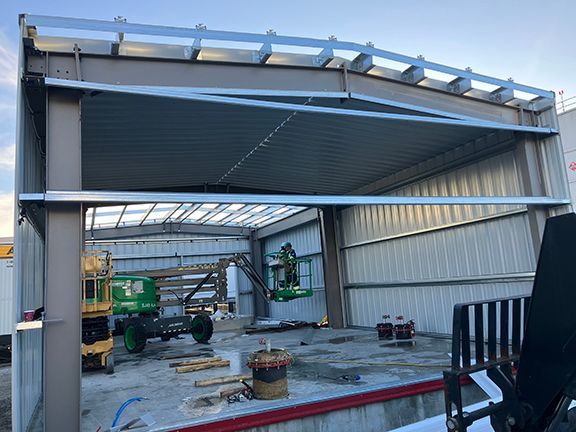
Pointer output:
x,y
109,197
331,44
160,92
119,217
170,228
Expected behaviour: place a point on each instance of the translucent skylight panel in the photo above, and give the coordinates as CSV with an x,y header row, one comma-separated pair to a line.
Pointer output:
x,y
241,218
197,215
218,217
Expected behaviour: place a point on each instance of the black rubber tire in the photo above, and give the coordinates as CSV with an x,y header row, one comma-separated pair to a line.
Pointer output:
x,y
110,364
164,338
137,335
202,328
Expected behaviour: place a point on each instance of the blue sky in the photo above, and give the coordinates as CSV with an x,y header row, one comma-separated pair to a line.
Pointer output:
x,y
530,41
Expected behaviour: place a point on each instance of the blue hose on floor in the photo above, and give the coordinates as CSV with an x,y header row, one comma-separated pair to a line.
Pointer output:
x,y
123,407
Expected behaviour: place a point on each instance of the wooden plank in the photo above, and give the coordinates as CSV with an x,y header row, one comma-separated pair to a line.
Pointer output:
x,y
195,362
222,380
185,369
191,354
231,391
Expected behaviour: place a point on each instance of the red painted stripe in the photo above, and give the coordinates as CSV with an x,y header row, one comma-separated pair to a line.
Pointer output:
x,y
316,408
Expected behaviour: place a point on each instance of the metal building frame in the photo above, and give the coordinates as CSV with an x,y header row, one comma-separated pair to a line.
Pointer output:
x,y
77,66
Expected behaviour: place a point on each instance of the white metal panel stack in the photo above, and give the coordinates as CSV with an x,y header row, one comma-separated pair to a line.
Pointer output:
x,y
6,290
305,240
418,261
567,122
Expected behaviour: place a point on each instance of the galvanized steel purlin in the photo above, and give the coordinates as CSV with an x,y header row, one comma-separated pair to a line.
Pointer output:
x,y
433,228
269,39
470,280
183,95
110,197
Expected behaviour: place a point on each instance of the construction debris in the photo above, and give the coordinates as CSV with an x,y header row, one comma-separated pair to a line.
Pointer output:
x,y
202,366
277,326
222,380
231,391
373,363
192,354
195,362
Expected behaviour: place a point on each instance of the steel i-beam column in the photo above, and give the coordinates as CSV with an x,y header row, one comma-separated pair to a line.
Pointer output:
x,y
64,236
531,176
261,306
330,260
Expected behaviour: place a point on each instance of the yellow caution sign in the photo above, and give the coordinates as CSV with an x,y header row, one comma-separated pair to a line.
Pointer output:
x,y
6,251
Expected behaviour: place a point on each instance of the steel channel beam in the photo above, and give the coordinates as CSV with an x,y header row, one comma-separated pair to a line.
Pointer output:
x,y
530,172
261,307
64,236
331,265
167,228
183,95
179,32
113,197
277,80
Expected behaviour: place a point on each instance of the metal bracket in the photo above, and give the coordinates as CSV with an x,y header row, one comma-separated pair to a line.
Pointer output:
x,y
77,61
459,85
192,52
263,54
502,95
413,75
34,325
324,58
362,63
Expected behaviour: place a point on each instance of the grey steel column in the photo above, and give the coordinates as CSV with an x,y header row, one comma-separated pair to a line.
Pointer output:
x,y
330,259
261,306
64,236
529,166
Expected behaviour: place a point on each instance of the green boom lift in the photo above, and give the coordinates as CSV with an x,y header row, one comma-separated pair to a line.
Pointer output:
x,y
141,295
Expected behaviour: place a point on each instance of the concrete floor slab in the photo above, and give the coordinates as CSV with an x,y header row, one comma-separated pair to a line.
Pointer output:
x,y
173,399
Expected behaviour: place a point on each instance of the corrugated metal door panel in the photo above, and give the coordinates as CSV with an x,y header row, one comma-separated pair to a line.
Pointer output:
x,y
494,176
430,306
306,241
30,344
6,300
496,246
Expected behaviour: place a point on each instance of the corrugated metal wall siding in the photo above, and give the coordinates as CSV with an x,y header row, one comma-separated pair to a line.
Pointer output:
x,y
6,301
177,249
30,343
430,306
407,259
492,247
494,176
306,241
